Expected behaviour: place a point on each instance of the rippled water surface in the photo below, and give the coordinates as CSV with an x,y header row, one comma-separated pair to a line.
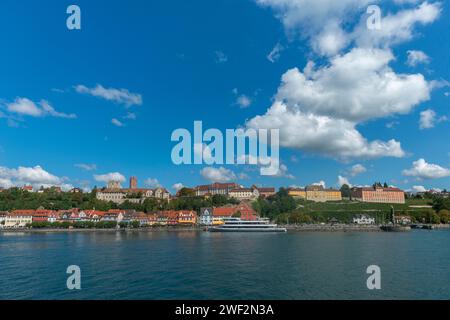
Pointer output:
x,y
200,265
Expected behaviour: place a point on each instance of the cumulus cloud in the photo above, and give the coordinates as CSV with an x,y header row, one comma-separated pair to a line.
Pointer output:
x,y
34,176
152,183
325,23
416,57
427,119
343,180
320,183
397,28
113,176
357,169
178,186
87,167
423,170
217,174
419,189
319,109
323,135
120,96
283,172
308,18
26,107
356,86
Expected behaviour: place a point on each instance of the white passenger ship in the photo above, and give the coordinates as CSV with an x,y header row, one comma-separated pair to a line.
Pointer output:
x,y
239,225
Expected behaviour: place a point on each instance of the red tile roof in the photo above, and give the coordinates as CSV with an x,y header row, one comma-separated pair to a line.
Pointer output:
x,y
224,211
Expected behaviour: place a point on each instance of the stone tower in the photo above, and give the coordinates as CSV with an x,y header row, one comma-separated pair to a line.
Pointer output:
x,y
133,183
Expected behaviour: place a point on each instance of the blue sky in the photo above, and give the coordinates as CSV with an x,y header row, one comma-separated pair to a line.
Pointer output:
x,y
182,61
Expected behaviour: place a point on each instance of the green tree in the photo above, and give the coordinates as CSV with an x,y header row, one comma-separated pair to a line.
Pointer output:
x,y
444,216
346,191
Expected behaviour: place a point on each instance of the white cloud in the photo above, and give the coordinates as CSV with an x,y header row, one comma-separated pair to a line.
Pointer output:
x,y
423,170
217,174
416,57
307,18
357,169
323,22
419,189
320,183
113,176
406,1
318,109
396,28
27,107
283,172
48,109
130,116
331,40
121,96
392,124
343,180
117,122
34,176
178,186
220,57
356,86
427,119
323,135
275,54
152,183
87,167
243,101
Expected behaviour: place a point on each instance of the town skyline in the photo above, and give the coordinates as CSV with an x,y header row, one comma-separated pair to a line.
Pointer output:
x,y
65,123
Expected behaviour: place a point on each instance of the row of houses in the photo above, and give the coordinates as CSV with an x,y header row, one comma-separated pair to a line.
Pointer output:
x,y
208,216
22,218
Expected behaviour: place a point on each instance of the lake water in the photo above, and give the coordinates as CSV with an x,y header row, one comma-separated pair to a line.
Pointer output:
x,y
201,265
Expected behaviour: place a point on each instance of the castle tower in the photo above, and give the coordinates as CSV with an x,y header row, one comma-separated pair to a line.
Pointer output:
x,y
133,183
114,185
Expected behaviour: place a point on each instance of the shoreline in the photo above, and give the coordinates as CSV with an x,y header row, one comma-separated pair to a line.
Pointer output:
x,y
290,228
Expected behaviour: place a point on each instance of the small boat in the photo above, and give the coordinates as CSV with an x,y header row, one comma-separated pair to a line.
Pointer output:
x,y
239,225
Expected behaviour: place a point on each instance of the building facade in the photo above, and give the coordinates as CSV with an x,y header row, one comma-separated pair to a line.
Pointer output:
x,y
379,195
297,193
318,193
244,194
132,194
215,188
19,219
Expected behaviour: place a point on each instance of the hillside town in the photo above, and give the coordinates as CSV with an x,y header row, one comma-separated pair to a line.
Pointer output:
x,y
240,202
